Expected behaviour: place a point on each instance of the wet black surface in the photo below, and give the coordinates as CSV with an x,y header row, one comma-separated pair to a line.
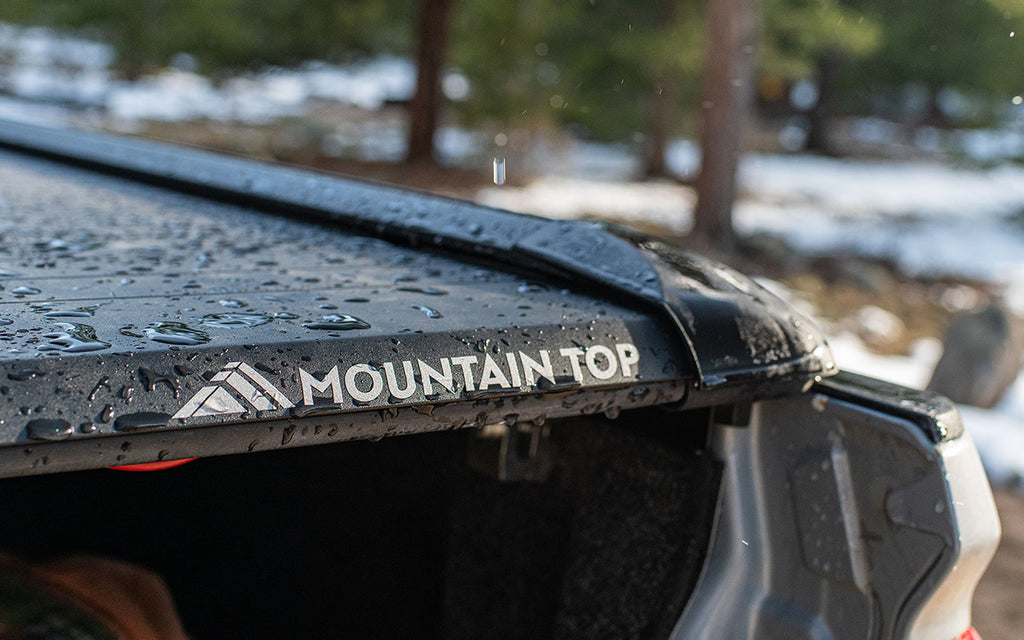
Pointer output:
x,y
252,292
936,415
120,302
745,334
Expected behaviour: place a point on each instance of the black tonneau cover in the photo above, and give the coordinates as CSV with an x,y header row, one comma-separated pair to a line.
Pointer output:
x,y
144,322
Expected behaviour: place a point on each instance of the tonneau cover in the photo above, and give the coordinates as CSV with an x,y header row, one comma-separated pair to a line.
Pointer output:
x,y
143,323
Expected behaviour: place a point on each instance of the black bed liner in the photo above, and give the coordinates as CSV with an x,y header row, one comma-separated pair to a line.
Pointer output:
x,y
196,319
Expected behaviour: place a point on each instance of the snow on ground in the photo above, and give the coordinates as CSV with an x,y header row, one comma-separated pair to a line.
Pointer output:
x,y
175,94
914,370
930,219
41,65
573,197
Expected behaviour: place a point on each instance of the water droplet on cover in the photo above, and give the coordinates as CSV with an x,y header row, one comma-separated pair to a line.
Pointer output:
x,y
176,333
430,291
531,287
234,320
338,322
141,420
80,312
47,429
73,338
427,311
106,414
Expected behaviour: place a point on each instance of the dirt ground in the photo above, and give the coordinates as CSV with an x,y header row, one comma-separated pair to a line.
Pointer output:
x,y
999,600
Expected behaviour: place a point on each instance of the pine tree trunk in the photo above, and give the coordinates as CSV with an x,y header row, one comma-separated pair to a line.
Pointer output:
x,y
727,93
425,107
820,115
662,117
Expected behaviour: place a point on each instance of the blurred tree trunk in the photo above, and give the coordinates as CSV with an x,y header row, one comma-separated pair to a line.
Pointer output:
x,y
662,118
425,107
820,115
664,107
727,94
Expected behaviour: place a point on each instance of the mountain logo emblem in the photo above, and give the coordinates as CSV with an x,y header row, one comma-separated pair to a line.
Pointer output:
x,y
246,383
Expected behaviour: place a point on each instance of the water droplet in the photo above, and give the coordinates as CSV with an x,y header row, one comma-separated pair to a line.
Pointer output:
x,y
73,338
611,413
338,322
498,167
176,333
232,304
25,291
639,393
284,315
141,420
152,378
427,311
45,429
80,312
1017,100
106,414
430,291
24,374
234,320
531,287
5,321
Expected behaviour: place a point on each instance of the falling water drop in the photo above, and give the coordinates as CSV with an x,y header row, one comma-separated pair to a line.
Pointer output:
x,y
499,170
